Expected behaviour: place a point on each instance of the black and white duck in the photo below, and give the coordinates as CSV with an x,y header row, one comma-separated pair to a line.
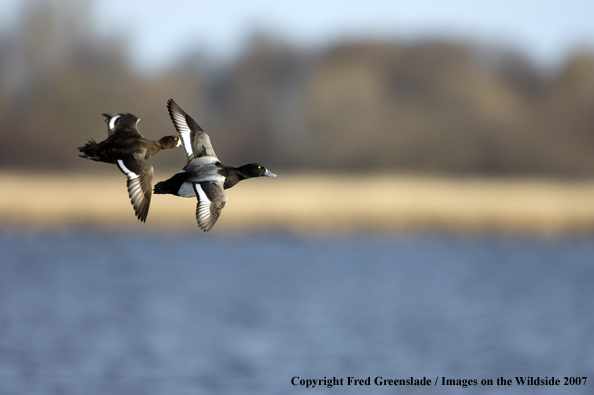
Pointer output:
x,y
204,176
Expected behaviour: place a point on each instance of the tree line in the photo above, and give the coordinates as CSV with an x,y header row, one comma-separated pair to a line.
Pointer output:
x,y
433,106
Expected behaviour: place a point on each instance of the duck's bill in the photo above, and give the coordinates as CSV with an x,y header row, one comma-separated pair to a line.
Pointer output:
x,y
269,174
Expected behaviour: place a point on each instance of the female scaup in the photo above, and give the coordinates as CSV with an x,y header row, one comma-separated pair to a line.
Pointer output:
x,y
204,176
129,150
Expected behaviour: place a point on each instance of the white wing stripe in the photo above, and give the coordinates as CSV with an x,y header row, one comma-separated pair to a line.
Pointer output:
x,y
112,122
184,131
129,173
187,144
204,205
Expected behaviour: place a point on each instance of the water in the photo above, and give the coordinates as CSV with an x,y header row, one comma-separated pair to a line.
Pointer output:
x,y
121,313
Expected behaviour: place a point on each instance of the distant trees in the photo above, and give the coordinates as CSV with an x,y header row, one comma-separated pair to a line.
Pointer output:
x,y
433,106
56,78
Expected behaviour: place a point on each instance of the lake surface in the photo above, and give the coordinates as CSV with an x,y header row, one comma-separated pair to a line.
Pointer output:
x,y
123,313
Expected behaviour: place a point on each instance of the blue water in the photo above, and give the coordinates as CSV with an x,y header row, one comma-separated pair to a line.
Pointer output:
x,y
123,313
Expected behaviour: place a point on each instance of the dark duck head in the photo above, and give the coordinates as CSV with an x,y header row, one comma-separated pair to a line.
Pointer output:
x,y
254,170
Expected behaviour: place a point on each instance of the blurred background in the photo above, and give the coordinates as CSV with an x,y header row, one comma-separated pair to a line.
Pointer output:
x,y
433,213
500,89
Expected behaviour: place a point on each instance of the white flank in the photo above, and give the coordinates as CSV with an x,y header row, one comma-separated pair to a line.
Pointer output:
x,y
186,190
129,173
112,121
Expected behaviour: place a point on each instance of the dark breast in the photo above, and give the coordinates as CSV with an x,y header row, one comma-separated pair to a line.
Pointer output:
x,y
231,175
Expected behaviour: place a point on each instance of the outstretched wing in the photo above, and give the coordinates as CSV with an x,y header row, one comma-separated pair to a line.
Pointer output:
x,y
195,141
110,120
122,124
139,176
211,200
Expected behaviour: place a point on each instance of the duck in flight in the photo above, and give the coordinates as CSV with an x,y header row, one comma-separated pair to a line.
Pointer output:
x,y
204,176
129,150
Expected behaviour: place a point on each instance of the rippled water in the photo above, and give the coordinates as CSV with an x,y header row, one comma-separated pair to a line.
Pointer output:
x,y
122,313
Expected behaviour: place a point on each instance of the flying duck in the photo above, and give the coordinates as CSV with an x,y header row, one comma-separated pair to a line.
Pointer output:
x,y
204,176
129,150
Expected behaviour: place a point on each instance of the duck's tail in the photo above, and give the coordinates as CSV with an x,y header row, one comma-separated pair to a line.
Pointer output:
x,y
170,186
159,188
91,150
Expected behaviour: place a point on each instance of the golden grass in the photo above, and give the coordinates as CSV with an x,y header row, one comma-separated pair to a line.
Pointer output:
x,y
310,203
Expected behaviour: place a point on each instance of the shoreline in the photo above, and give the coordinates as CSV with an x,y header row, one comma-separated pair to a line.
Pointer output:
x,y
310,203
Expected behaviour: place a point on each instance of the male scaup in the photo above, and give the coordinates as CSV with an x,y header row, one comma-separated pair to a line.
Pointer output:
x,y
204,176
129,150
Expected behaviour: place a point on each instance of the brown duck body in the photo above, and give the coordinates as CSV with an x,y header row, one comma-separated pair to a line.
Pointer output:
x,y
114,148
129,150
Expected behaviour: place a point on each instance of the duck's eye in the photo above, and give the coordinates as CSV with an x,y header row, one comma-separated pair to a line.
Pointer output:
x,y
259,167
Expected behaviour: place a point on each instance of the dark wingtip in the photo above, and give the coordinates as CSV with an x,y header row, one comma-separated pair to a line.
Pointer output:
x,y
172,105
142,213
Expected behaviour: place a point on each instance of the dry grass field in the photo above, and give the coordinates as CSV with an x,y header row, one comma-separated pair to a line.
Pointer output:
x,y
310,203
